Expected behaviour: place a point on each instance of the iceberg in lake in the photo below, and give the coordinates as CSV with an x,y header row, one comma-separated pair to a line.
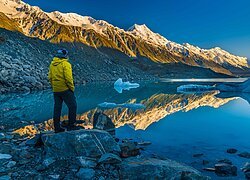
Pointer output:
x,y
191,88
119,85
124,105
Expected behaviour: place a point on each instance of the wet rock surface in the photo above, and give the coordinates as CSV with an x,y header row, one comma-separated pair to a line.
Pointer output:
x,y
224,169
244,155
146,168
88,143
246,170
102,122
232,151
129,148
81,154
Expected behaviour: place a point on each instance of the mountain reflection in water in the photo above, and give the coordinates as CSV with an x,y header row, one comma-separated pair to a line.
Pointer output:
x,y
159,99
177,125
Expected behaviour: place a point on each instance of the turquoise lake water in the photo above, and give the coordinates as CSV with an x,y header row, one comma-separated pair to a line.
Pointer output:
x,y
177,125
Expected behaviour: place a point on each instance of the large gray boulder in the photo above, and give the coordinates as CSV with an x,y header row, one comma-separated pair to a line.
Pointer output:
x,y
151,168
87,143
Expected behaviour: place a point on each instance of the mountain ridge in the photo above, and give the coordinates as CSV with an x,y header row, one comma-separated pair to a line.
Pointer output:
x,y
60,27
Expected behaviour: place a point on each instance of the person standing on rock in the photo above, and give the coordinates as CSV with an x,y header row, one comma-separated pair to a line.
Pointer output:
x,y
61,80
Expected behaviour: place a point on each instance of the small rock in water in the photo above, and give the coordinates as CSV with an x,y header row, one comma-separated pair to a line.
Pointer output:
x,y
205,162
86,174
5,156
11,164
144,143
109,158
227,161
102,122
245,155
198,155
246,167
232,151
247,175
224,169
2,136
129,149
35,141
209,169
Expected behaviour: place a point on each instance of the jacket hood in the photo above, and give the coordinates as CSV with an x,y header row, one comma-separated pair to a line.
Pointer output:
x,y
56,61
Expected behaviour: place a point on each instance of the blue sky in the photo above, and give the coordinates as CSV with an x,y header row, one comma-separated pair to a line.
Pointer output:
x,y
205,23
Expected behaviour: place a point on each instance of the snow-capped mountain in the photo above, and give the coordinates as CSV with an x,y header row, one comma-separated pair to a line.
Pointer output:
x,y
137,41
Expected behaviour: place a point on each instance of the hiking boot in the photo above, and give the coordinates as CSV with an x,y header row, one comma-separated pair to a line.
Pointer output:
x,y
59,130
73,128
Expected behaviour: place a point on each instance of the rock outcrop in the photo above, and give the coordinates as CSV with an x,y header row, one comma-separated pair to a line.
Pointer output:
x,y
82,154
87,143
151,168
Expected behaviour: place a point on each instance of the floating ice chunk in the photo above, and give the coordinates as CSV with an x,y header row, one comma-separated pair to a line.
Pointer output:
x,y
119,85
190,88
124,105
5,156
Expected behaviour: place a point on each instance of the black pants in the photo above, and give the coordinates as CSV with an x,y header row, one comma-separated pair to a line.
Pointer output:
x,y
69,99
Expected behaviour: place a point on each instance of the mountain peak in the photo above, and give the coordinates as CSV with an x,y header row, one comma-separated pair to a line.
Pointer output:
x,y
138,27
145,33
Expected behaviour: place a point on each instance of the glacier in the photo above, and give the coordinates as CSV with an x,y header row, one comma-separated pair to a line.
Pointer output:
x,y
119,85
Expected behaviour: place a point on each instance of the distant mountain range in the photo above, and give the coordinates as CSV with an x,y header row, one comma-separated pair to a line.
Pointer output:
x,y
138,41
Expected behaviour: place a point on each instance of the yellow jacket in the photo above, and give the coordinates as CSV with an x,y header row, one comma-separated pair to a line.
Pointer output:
x,y
60,75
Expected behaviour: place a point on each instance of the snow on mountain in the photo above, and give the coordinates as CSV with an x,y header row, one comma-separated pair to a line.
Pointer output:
x,y
73,19
30,17
146,34
218,55
19,9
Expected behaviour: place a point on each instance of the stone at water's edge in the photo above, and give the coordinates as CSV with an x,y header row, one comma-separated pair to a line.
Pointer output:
x,y
150,168
102,122
224,169
88,143
129,149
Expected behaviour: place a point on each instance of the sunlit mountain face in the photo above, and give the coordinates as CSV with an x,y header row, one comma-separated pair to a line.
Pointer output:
x,y
138,41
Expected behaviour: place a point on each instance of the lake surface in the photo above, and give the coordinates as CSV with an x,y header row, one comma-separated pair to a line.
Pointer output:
x,y
178,125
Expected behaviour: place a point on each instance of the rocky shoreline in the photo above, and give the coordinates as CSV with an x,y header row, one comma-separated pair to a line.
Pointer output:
x,y
24,63
83,154
93,152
